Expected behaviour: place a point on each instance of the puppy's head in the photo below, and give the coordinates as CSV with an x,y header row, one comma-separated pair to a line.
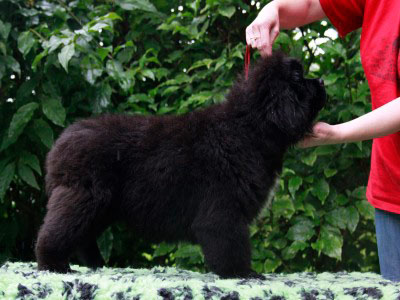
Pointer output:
x,y
282,97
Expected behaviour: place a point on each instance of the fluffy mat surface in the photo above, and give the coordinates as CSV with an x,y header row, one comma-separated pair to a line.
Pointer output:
x,y
23,281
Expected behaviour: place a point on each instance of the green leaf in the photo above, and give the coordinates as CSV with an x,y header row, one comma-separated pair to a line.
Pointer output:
x,y
330,242
3,50
170,90
53,109
13,65
25,42
358,109
6,176
338,217
144,5
65,55
114,69
309,210
26,88
283,206
227,11
326,150
161,73
140,98
175,55
353,219
341,199
200,63
103,52
7,141
21,118
30,160
188,251
301,231
321,190
44,132
27,175
179,79
105,244
279,243
257,266
366,209
287,171
99,25
360,193
111,16
291,251
51,89
5,29
330,172
38,58
310,159
270,265
148,73
220,63
199,98
294,184
92,74
330,79
283,39
52,44
102,97
164,249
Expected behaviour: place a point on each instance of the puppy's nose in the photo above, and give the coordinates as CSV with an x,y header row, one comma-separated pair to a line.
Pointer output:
x,y
321,81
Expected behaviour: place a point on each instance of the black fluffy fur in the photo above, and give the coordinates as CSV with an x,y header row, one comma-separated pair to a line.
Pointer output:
x,y
201,177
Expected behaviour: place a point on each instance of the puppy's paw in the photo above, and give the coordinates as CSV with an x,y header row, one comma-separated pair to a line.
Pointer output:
x,y
70,271
55,268
255,275
245,275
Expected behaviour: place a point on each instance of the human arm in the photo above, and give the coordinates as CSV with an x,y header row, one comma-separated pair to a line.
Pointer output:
x,y
285,14
380,122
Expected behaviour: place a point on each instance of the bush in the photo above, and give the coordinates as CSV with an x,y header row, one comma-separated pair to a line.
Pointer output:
x,y
61,61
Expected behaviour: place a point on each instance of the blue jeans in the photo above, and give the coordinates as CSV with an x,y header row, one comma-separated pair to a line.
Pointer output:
x,y
387,227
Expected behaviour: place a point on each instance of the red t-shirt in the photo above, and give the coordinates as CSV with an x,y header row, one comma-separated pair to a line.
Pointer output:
x,y
380,39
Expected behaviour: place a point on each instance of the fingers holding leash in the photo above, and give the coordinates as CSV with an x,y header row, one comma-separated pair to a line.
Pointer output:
x,y
263,31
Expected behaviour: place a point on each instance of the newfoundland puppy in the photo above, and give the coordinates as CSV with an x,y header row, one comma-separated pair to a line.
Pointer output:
x,y
201,177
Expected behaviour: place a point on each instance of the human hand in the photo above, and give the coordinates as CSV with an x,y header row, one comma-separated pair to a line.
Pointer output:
x,y
323,134
263,31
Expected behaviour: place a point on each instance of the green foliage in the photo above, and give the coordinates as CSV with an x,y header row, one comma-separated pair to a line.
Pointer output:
x,y
60,61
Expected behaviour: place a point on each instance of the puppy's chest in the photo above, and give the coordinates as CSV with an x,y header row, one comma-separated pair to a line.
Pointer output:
x,y
256,181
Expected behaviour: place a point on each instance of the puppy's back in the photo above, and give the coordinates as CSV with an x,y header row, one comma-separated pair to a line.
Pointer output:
x,y
89,146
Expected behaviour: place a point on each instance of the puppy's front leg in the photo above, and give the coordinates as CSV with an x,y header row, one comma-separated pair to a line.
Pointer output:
x,y
224,238
89,254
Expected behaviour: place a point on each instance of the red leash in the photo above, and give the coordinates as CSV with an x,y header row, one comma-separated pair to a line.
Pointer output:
x,y
247,61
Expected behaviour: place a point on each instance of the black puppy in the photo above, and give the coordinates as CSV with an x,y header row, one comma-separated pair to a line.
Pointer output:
x,y
201,177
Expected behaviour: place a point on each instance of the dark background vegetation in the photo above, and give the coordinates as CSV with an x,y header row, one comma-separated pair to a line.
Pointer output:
x,y
65,60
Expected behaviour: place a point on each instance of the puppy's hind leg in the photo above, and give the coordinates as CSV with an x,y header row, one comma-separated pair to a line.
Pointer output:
x,y
71,214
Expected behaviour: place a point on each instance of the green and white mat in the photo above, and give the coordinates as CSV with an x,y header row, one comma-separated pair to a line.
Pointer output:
x,y
23,281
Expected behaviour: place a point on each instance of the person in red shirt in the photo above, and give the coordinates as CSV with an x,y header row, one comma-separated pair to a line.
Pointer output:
x,y
380,56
